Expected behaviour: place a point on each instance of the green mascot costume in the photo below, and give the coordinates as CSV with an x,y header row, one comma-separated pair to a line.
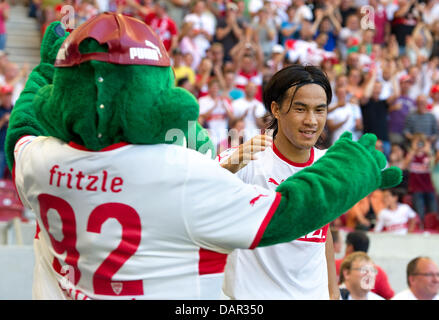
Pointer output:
x,y
109,155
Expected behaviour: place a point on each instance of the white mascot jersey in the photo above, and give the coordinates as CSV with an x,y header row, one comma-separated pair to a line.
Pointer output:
x,y
294,270
134,221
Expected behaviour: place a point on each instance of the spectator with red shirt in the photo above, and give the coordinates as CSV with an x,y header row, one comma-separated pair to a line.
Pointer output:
x,y
418,161
163,25
215,112
202,77
359,241
248,60
381,23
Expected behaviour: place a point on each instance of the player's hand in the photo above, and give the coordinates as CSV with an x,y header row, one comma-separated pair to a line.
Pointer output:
x,y
53,38
247,152
390,177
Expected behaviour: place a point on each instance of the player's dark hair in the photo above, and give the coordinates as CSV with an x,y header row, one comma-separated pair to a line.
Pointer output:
x,y
359,240
296,76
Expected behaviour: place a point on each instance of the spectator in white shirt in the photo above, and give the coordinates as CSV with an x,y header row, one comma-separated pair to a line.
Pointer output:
x,y
422,280
344,116
251,110
203,23
396,217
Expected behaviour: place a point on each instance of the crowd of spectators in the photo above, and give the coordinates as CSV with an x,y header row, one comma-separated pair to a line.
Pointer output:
x,y
360,278
381,56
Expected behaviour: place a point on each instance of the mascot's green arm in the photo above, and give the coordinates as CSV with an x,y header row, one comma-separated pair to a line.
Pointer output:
x,y
319,194
23,119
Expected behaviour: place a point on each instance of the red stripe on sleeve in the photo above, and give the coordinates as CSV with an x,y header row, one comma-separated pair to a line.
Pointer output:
x,y
266,221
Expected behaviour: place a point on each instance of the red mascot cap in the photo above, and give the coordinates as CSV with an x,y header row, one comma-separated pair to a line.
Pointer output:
x,y
129,41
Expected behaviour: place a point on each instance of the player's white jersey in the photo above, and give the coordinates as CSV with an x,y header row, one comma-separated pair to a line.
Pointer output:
x,y
294,270
395,221
132,221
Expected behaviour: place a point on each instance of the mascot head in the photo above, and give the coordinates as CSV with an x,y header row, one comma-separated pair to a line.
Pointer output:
x,y
113,82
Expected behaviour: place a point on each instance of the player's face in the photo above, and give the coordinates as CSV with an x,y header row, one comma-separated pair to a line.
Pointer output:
x,y
305,121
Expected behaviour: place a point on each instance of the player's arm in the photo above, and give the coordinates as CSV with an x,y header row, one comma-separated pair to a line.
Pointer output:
x,y
334,291
23,120
246,152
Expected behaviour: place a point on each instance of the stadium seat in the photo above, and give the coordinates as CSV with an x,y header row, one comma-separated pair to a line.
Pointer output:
x,y
431,221
10,207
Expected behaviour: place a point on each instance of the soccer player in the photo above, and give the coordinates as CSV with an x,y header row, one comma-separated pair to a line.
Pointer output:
x,y
298,99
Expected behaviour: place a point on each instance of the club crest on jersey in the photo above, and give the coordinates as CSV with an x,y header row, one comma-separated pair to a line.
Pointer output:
x,y
151,52
117,287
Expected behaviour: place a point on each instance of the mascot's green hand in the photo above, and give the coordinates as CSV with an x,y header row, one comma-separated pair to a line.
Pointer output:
x,y
204,144
53,38
390,177
318,194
